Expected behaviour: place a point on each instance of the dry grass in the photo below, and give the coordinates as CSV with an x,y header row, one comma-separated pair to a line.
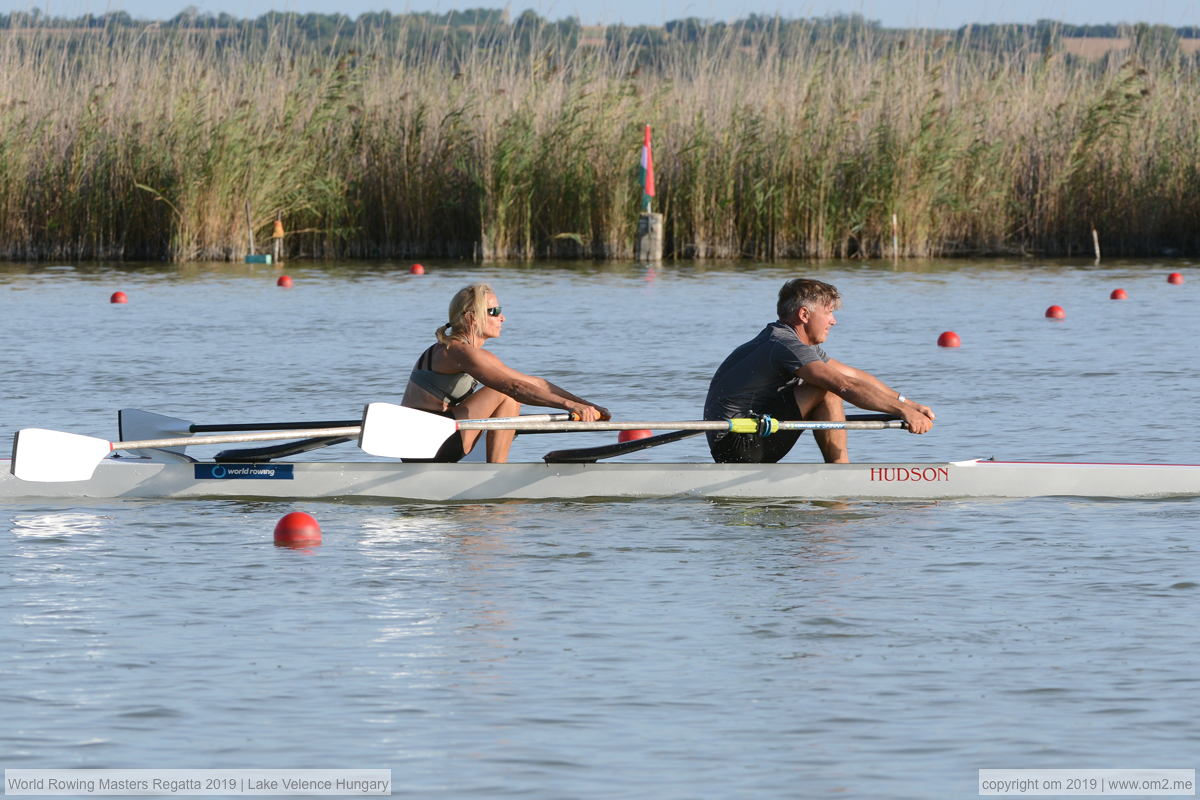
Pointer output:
x,y
154,146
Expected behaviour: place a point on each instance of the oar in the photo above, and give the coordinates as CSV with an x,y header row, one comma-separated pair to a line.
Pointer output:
x,y
398,432
45,455
590,455
148,424
136,423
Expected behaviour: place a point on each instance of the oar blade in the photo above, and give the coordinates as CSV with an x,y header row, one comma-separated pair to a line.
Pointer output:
x,y
394,431
55,456
134,423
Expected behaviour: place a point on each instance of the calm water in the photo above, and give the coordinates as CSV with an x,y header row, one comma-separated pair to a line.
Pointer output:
x,y
668,649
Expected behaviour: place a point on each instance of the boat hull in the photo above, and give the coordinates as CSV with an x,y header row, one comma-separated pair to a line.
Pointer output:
x,y
390,481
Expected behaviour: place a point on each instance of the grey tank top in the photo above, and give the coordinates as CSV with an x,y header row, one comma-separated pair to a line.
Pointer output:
x,y
452,388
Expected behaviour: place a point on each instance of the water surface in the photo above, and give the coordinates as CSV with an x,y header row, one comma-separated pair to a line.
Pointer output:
x,y
672,648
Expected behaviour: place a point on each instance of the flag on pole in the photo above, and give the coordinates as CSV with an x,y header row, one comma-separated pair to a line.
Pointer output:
x,y
647,172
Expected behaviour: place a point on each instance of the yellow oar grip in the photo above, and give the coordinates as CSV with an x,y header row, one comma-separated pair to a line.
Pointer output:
x,y
749,425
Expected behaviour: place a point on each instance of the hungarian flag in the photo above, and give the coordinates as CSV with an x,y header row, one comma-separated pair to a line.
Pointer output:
x,y
647,172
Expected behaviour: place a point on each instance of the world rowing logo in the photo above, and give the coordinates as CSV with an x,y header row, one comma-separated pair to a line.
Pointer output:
x,y
221,472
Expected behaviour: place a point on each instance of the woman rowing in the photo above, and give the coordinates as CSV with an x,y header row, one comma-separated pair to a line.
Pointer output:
x,y
446,379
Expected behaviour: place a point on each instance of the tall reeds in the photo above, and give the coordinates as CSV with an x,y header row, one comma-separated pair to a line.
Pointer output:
x,y
142,143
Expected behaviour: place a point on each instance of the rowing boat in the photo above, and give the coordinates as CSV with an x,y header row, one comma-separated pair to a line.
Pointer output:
x,y
57,465
390,481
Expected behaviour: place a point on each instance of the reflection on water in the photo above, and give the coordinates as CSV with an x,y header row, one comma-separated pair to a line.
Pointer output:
x,y
657,648
52,525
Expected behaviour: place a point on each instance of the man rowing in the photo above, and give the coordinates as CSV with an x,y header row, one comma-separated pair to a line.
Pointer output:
x,y
784,373
446,379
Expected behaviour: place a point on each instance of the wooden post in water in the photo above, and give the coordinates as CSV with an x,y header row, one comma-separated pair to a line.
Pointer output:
x,y
649,243
650,237
1096,243
249,229
895,237
277,238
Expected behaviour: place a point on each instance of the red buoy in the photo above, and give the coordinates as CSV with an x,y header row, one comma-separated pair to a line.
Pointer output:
x,y
1118,294
416,269
1055,312
284,281
949,339
633,436
118,297
297,529
1174,277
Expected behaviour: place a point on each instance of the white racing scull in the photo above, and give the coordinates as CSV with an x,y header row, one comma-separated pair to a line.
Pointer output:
x,y
51,464
386,481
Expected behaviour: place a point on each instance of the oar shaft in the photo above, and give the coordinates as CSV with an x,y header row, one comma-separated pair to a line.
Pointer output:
x,y
682,425
352,430
308,427
233,438
271,426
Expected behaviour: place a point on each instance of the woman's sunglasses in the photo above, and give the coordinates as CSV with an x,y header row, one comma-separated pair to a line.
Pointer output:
x,y
495,311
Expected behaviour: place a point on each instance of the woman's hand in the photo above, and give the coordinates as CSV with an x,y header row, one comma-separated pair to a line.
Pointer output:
x,y
585,412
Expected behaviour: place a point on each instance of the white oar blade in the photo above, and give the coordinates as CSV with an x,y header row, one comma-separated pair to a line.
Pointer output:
x,y
53,456
394,431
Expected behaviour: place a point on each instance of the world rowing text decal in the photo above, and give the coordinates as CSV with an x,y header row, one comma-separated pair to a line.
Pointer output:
x,y
909,474
261,472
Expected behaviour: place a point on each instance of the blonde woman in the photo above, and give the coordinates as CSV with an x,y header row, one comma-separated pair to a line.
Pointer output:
x,y
446,379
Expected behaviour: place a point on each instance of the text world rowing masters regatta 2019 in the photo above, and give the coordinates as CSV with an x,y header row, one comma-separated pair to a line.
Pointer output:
x,y
908,474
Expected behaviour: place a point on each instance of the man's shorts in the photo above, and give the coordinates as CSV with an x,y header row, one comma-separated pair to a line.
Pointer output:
x,y
750,448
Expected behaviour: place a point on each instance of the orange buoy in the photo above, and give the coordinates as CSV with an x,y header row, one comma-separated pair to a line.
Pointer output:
x,y
1118,294
633,436
118,297
1055,312
416,269
1175,277
284,281
949,339
297,529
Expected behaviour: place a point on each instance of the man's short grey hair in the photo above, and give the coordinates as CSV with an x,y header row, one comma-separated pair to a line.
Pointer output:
x,y
805,292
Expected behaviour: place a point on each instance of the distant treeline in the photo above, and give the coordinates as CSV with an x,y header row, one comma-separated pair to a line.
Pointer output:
x,y
472,135
459,31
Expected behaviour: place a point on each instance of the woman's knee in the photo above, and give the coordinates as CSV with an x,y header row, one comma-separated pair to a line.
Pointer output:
x,y
507,407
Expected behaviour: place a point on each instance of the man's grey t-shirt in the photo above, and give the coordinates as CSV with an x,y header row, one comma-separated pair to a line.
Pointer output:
x,y
750,379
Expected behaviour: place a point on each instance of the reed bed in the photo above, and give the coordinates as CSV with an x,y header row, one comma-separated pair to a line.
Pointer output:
x,y
178,145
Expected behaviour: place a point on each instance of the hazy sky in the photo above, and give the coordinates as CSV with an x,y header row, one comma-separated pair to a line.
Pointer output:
x,y
896,13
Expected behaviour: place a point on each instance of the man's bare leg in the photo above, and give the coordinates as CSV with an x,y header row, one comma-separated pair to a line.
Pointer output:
x,y
815,405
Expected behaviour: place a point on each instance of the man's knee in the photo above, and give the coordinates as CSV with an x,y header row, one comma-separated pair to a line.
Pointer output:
x,y
817,403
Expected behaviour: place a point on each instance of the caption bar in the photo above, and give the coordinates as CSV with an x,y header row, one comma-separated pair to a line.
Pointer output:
x,y
1082,782
183,782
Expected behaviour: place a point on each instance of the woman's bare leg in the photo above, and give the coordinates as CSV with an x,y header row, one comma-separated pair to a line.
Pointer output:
x,y
486,404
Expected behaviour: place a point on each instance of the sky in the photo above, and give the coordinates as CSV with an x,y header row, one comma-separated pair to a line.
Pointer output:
x,y
891,13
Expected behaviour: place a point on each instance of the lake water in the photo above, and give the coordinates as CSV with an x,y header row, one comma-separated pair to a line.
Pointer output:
x,y
667,649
